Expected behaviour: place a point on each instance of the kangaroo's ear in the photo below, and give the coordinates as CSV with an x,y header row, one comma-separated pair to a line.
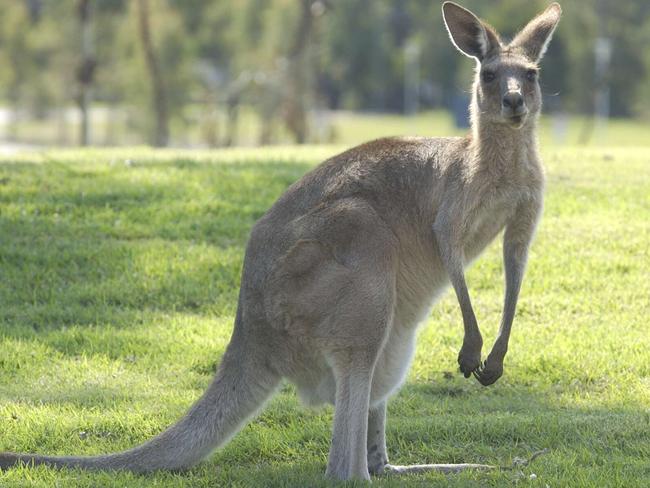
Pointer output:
x,y
534,38
469,34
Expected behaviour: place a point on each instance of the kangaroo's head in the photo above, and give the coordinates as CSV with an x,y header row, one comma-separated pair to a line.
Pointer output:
x,y
506,89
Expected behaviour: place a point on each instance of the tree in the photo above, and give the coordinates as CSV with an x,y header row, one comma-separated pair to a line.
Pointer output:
x,y
86,70
295,115
158,90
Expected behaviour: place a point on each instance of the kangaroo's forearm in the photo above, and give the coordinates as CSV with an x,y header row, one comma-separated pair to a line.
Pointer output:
x,y
516,241
451,255
452,260
515,265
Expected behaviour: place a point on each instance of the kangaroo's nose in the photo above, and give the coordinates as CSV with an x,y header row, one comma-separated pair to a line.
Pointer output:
x,y
513,101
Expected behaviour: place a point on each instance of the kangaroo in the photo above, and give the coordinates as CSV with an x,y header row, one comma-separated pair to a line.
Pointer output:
x,y
341,270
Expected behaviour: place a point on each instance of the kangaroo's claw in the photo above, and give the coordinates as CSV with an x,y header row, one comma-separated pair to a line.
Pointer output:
x,y
487,373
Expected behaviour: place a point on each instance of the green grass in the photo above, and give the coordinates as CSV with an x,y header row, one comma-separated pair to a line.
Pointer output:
x,y
118,285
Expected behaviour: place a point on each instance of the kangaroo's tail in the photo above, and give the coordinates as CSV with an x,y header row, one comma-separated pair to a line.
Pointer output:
x,y
242,384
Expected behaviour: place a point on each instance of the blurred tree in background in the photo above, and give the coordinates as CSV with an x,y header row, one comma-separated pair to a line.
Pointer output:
x,y
162,68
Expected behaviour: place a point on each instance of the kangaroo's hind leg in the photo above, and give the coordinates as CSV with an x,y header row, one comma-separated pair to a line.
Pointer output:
x,y
348,454
352,359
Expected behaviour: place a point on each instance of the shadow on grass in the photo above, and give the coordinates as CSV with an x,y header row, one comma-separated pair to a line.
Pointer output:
x,y
82,248
450,421
279,450
434,423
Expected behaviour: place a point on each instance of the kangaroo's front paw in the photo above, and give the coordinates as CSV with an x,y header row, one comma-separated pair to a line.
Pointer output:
x,y
469,357
488,372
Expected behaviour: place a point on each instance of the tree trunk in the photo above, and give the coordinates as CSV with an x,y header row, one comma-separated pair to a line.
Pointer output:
x,y
295,111
159,93
85,71
232,113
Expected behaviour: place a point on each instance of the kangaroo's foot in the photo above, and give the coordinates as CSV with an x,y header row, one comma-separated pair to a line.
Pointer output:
x,y
377,461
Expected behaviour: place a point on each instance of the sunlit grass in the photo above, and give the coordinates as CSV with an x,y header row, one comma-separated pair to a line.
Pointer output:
x,y
119,272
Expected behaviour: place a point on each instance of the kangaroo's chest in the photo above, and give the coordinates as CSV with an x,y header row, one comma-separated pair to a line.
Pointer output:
x,y
484,227
488,219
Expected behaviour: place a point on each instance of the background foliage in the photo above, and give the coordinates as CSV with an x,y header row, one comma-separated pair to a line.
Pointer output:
x,y
273,61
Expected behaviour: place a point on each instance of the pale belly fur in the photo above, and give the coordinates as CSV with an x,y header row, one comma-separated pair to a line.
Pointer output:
x,y
316,384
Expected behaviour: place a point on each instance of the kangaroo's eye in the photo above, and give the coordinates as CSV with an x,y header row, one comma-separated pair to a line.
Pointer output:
x,y
487,76
531,75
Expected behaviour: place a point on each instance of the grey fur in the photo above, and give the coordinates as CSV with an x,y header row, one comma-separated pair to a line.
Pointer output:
x,y
345,265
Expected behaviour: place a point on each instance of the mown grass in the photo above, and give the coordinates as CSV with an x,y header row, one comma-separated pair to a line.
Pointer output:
x,y
119,271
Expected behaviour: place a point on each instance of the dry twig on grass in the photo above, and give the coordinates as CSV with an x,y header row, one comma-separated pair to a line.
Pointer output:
x,y
457,468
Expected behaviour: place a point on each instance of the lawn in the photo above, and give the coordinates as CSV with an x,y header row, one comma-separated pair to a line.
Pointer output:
x,y
119,272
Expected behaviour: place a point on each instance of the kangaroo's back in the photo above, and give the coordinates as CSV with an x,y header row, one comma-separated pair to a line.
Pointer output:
x,y
401,179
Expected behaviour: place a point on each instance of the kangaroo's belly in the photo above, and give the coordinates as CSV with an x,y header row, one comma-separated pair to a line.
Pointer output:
x,y
316,385
393,364
421,279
